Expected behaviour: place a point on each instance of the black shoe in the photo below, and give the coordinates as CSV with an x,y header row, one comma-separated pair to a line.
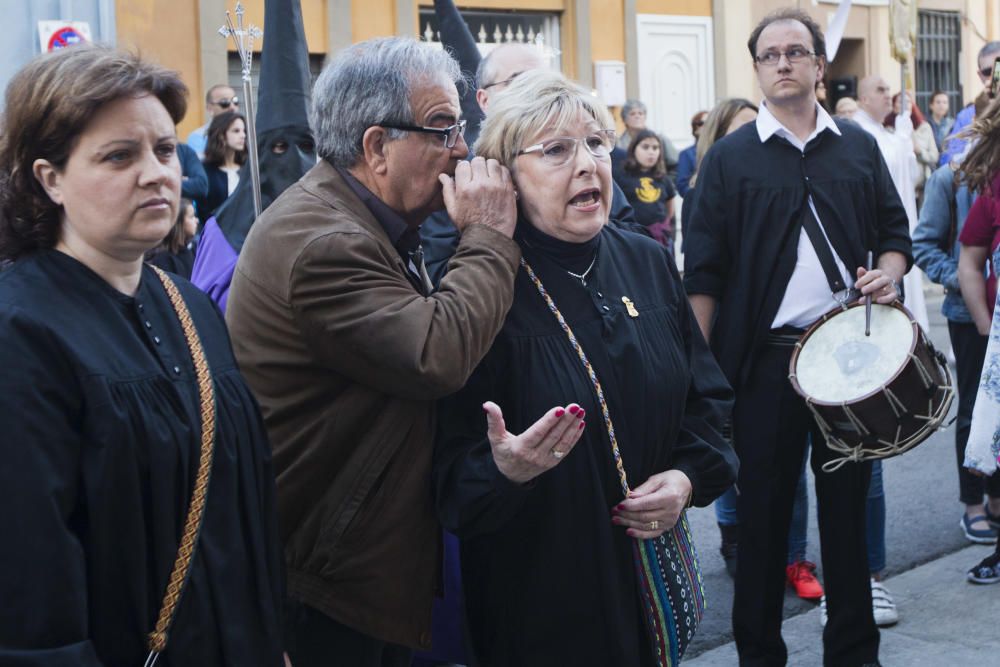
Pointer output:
x,y
987,572
729,547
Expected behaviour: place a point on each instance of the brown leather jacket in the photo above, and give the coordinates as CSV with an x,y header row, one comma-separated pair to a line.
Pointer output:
x,y
347,359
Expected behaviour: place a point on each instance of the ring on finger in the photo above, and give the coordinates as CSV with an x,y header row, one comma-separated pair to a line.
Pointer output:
x,y
653,525
556,453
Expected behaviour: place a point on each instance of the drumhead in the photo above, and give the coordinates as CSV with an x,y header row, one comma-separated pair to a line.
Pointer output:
x,y
839,364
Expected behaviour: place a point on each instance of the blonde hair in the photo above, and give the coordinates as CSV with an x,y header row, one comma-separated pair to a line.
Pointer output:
x,y
534,101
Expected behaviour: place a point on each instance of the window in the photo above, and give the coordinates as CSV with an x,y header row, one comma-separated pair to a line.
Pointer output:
x,y
939,43
492,28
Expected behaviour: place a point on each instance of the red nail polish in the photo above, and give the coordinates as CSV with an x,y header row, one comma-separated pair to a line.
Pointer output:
x,y
560,412
573,409
582,424
582,413
620,507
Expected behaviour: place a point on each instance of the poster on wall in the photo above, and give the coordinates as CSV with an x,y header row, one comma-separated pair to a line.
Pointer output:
x,y
54,35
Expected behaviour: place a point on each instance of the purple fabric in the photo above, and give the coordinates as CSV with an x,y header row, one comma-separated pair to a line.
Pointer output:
x,y
214,264
447,635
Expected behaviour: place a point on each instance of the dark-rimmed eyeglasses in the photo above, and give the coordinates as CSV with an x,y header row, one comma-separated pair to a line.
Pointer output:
x,y
505,82
558,151
794,55
450,133
226,102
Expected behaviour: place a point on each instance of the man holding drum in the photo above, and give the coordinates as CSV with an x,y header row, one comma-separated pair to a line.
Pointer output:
x,y
785,212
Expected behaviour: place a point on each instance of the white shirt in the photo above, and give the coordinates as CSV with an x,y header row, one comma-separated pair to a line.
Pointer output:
x,y
807,296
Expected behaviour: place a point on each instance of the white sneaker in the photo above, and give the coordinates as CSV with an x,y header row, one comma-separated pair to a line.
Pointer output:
x,y
883,606
822,611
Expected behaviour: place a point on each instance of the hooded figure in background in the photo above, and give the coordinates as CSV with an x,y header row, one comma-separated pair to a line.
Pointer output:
x,y
285,147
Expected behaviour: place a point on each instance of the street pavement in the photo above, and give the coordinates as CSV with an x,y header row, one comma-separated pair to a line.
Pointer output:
x,y
927,556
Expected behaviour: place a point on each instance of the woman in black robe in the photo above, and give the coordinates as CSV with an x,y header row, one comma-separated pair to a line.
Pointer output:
x,y
99,403
547,560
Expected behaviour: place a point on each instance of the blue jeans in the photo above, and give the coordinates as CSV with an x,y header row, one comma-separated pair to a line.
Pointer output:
x,y
725,515
875,521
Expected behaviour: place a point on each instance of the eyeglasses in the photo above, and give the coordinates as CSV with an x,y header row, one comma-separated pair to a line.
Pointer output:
x,y
505,82
559,151
226,102
795,55
450,133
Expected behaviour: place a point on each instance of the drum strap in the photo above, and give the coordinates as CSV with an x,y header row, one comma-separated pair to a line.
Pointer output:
x,y
822,247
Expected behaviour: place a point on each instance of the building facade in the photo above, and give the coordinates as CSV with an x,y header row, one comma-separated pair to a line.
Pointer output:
x,y
679,56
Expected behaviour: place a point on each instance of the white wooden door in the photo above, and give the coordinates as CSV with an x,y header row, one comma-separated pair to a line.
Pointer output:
x,y
676,72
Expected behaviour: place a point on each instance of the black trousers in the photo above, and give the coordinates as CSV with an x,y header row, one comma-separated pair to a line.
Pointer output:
x,y
970,351
313,639
770,424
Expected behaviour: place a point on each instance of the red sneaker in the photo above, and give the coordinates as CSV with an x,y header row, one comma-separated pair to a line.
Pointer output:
x,y
800,576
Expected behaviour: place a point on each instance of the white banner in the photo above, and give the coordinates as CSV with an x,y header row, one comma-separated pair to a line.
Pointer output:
x,y
835,30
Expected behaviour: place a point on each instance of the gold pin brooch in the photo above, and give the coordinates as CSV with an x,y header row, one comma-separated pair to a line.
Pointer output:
x,y
630,307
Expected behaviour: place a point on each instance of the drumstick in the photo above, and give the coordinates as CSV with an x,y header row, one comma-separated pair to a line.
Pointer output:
x,y
868,303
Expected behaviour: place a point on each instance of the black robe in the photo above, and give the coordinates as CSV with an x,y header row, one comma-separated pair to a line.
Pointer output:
x,y
746,214
549,580
100,439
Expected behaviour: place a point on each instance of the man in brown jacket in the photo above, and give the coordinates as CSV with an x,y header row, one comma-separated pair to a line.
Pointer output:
x,y
346,347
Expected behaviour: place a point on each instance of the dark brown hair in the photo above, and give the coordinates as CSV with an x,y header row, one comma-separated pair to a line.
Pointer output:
x,y
632,166
789,14
49,104
215,144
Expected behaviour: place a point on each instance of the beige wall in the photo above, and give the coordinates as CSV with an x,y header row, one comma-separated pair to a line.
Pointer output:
x,y
171,31
166,31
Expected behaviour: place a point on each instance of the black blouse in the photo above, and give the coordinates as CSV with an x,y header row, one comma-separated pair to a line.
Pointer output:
x,y
100,439
548,578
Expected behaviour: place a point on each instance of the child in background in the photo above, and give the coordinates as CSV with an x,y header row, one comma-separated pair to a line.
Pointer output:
x,y
643,178
176,252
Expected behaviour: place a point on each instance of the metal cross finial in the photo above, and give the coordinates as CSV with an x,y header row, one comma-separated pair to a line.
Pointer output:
x,y
243,37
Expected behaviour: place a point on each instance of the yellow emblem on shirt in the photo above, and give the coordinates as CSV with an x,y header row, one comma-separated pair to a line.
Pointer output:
x,y
647,192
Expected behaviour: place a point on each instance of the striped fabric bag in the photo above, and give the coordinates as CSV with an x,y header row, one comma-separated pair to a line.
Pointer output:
x,y
673,596
670,583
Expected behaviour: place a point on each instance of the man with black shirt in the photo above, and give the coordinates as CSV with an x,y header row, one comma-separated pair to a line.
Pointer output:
x,y
785,211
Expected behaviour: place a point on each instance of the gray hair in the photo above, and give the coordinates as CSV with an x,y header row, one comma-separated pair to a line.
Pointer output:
x,y
535,101
630,105
370,83
989,48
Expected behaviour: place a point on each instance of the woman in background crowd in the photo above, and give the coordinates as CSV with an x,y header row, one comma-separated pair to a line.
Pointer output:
x,y
980,240
225,153
940,121
688,156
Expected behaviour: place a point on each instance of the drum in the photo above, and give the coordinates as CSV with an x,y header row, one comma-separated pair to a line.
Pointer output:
x,y
872,396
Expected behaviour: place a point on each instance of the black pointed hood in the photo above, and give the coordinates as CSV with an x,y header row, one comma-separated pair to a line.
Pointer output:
x,y
457,39
284,142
